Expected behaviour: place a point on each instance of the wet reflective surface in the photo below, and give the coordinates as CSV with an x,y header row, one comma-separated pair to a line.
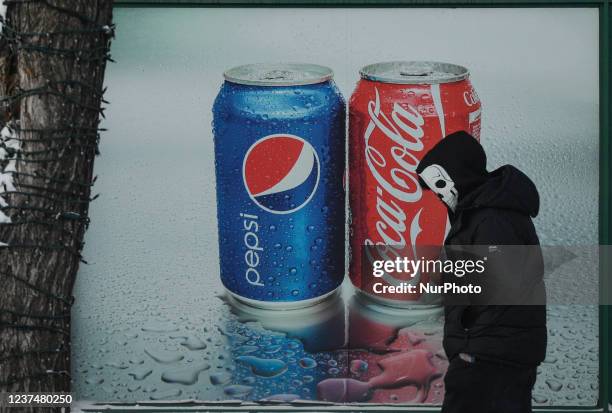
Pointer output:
x,y
344,350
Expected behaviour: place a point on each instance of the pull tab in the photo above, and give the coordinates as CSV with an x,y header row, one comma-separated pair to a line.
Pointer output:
x,y
413,74
416,70
277,75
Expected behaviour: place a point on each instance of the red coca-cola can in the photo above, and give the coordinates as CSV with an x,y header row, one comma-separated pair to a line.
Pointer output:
x,y
399,111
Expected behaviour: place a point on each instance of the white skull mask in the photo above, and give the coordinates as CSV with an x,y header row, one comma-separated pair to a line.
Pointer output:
x,y
438,180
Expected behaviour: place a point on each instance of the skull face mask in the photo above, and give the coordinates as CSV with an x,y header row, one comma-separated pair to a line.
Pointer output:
x,y
438,180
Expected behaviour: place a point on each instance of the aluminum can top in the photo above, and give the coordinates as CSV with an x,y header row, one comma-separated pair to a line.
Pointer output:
x,y
278,74
406,72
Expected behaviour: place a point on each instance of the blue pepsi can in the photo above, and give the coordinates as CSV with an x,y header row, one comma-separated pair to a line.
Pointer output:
x,y
279,134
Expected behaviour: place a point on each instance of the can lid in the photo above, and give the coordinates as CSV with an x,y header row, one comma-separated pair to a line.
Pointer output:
x,y
278,74
414,72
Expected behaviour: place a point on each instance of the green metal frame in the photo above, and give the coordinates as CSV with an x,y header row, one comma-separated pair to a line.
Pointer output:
x,y
605,218
601,4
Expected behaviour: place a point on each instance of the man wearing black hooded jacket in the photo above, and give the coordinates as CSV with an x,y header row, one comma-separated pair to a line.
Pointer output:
x,y
493,350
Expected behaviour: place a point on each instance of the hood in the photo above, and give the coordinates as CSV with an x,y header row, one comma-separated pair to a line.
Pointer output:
x,y
505,188
462,159
455,168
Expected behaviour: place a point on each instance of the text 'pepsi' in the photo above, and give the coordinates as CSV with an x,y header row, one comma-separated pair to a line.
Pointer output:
x,y
279,135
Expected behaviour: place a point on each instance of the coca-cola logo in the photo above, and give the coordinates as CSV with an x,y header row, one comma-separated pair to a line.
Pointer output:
x,y
470,97
393,166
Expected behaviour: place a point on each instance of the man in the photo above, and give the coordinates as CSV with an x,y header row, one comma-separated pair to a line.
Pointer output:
x,y
493,349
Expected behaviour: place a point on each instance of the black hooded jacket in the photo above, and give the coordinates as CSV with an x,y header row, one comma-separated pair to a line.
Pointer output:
x,y
494,209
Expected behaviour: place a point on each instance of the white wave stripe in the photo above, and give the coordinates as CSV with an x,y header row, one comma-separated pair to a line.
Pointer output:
x,y
297,175
8,140
473,116
415,230
437,101
447,227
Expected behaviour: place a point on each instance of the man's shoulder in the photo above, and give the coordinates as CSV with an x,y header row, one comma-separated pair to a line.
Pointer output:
x,y
495,216
501,226
488,215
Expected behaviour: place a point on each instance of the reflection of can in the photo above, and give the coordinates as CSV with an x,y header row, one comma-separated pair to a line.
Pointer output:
x,y
398,112
279,161
395,356
320,327
282,355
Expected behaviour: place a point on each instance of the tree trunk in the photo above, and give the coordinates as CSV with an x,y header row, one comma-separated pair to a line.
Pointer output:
x,y
52,59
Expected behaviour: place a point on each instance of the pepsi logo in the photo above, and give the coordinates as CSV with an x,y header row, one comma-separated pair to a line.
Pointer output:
x,y
281,173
